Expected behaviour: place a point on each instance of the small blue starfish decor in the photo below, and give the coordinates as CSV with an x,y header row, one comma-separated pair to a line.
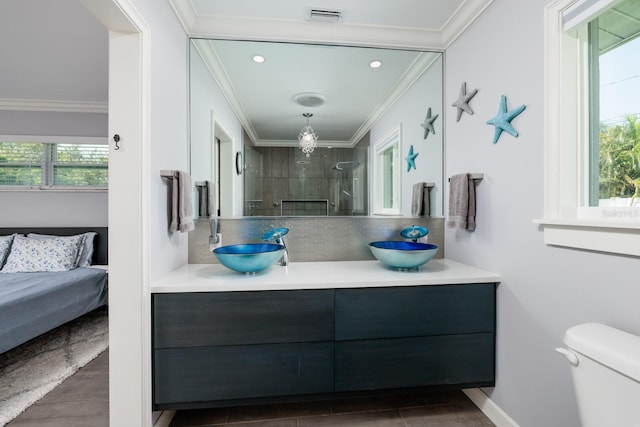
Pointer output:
x,y
502,121
428,124
462,103
411,159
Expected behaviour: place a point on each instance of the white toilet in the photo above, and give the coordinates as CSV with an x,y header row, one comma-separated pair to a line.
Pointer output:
x,y
606,374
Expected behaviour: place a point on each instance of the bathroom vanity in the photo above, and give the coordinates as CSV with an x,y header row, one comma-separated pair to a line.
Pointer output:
x,y
319,329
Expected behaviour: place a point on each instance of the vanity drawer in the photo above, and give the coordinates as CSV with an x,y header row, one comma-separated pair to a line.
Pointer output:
x,y
203,374
465,360
234,318
414,311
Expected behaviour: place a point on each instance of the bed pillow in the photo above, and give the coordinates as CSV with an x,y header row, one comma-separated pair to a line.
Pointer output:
x,y
5,246
34,255
86,251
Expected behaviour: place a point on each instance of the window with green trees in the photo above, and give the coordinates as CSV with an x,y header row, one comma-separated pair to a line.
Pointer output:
x,y
614,46
53,165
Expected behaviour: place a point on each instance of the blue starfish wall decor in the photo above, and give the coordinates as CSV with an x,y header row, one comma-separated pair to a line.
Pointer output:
x,y
502,121
462,103
411,159
428,124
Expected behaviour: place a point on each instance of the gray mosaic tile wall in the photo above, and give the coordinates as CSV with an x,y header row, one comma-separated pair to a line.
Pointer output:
x,y
313,238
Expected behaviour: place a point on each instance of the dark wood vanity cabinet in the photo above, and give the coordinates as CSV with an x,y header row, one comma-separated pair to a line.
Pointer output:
x,y
228,347
241,345
414,336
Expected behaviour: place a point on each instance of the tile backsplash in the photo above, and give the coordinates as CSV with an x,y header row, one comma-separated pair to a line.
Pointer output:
x,y
332,238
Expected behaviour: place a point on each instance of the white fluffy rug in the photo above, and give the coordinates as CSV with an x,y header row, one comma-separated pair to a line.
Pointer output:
x,y
30,371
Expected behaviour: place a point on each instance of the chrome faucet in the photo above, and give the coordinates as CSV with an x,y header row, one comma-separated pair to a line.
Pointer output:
x,y
285,255
277,235
214,236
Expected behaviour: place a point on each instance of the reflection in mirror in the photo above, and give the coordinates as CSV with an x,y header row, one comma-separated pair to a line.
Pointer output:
x,y
386,172
333,181
260,107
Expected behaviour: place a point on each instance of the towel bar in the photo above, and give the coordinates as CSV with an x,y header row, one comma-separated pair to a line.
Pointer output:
x,y
168,173
474,176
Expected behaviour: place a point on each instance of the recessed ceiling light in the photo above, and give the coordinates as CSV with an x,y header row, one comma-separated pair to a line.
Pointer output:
x,y
258,59
376,63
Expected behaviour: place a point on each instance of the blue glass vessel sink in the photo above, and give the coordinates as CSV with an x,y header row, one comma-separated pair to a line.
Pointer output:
x,y
402,254
249,258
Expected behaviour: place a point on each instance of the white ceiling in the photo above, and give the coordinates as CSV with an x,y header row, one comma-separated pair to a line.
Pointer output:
x,y
60,57
356,95
425,14
262,94
420,24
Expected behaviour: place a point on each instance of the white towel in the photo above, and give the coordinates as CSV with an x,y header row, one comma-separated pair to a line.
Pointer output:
x,y
462,202
181,204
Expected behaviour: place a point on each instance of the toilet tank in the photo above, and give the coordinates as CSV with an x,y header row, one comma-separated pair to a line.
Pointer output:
x,y
606,374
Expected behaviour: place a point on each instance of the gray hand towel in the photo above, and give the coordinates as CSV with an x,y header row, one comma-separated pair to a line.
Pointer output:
x,y
420,200
202,199
173,226
181,203
462,202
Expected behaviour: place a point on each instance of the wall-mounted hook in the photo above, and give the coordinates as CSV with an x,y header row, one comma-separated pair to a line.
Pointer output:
x,y
116,138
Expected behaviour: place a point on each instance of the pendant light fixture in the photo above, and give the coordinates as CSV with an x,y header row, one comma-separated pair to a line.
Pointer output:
x,y
308,138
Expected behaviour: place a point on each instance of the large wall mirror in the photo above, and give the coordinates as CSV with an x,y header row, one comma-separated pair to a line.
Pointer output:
x,y
257,99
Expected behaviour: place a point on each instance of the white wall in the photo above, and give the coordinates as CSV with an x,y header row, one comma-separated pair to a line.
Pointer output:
x,y
545,289
168,124
53,208
410,111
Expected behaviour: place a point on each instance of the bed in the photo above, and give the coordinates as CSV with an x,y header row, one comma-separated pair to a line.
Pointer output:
x,y
35,302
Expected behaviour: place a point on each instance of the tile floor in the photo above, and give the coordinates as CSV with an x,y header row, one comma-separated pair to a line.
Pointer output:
x,y
434,409
83,401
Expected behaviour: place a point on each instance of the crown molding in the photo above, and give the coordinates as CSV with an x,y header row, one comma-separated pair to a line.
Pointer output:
x,y
294,143
49,105
462,18
186,13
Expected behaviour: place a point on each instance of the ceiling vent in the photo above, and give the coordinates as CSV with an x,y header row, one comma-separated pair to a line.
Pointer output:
x,y
309,99
323,14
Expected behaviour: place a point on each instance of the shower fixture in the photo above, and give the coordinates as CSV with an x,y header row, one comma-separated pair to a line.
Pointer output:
x,y
339,168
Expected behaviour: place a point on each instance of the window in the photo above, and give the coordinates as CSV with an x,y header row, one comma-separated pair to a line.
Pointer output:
x,y
580,210
387,174
48,165
614,74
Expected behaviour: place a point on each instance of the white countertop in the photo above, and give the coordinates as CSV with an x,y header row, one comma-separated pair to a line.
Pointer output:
x,y
318,275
